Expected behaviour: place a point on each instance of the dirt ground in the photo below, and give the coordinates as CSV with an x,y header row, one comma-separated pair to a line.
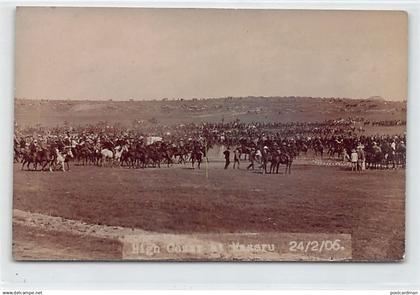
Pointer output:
x,y
37,244
178,200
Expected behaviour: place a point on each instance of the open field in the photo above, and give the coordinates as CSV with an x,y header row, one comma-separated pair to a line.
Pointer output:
x,y
82,214
128,101
313,199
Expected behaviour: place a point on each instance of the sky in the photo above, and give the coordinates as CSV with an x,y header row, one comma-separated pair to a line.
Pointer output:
x,y
136,53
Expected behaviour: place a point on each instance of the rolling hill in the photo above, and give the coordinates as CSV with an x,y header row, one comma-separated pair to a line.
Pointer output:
x,y
283,109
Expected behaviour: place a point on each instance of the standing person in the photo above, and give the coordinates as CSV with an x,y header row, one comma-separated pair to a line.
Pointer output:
x,y
354,160
236,157
258,156
251,159
393,146
227,157
346,156
360,158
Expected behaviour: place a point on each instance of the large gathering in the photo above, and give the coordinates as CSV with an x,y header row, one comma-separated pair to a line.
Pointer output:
x,y
256,145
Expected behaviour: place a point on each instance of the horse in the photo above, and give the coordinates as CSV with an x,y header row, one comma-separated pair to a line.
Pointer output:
x,y
62,160
107,156
400,155
389,156
278,157
127,157
196,156
318,148
138,157
95,156
118,154
243,150
40,156
335,149
181,153
153,154
17,154
28,157
167,156
266,157
303,148
374,157
82,153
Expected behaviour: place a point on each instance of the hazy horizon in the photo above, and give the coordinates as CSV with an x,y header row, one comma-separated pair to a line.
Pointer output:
x,y
207,98
151,54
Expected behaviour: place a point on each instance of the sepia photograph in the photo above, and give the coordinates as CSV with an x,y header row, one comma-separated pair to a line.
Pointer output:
x,y
186,134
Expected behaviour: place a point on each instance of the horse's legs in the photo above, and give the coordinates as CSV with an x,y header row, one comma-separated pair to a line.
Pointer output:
x,y
51,165
45,165
265,167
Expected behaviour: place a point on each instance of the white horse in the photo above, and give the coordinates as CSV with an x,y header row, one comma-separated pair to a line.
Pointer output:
x,y
118,153
106,156
63,160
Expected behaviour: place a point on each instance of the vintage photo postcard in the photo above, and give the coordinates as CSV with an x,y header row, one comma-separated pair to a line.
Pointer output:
x,y
209,134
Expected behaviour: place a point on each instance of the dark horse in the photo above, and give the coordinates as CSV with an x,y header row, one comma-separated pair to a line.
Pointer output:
x,y
277,158
39,156
318,149
196,156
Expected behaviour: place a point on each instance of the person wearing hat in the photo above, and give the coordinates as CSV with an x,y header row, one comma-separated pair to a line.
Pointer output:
x,y
354,160
360,158
393,146
227,157
236,157
258,155
33,146
252,157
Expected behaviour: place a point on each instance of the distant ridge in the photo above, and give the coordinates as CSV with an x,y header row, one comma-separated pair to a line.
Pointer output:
x,y
166,112
377,98
372,98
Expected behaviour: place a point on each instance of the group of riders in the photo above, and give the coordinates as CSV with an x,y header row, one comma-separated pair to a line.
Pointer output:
x,y
268,145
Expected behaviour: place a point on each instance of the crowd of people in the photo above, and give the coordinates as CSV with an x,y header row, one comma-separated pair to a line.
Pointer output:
x,y
267,144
